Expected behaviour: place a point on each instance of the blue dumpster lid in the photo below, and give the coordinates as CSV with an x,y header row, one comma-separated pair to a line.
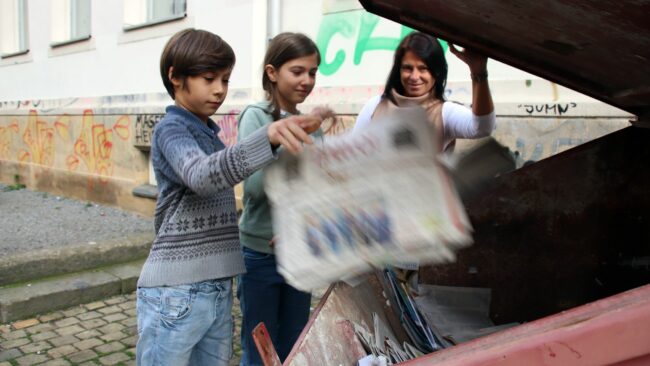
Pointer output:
x,y
599,48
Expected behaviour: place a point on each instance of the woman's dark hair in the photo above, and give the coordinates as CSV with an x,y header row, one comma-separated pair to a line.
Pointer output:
x,y
427,48
283,48
193,52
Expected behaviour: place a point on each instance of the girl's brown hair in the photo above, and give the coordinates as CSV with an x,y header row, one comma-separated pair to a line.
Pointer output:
x,y
193,52
283,48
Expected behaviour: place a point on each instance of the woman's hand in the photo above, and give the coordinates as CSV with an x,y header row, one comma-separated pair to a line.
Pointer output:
x,y
291,132
272,241
477,62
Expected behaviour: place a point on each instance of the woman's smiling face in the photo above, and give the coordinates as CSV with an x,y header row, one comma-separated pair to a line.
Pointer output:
x,y
415,76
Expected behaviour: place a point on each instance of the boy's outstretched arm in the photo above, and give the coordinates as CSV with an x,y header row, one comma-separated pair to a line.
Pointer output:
x,y
209,174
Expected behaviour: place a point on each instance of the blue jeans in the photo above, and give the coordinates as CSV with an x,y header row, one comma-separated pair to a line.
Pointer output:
x,y
264,296
186,324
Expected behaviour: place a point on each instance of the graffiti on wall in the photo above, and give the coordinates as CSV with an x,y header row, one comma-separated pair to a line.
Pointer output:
x,y
228,126
94,145
6,138
39,139
143,128
553,109
359,26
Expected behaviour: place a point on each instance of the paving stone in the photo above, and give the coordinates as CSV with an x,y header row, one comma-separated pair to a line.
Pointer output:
x,y
66,322
89,315
15,334
43,336
95,305
88,344
61,351
131,330
93,323
89,363
43,327
110,347
110,310
51,316
10,354
131,296
5,328
35,347
113,359
115,300
25,323
88,334
70,330
113,336
74,311
115,317
61,341
130,312
127,305
111,328
5,364
130,322
82,356
131,341
31,359
14,343
59,362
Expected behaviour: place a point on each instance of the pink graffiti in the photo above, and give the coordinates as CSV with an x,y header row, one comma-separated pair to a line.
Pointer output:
x,y
228,126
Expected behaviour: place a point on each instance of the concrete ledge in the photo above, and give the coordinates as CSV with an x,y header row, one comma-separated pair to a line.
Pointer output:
x,y
43,296
146,191
73,258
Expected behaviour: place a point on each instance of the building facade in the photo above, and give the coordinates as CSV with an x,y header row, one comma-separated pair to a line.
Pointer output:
x,y
80,88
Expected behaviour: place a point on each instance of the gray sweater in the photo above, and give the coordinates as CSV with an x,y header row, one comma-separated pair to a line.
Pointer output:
x,y
195,221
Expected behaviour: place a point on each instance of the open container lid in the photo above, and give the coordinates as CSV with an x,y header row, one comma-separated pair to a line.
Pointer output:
x,y
596,47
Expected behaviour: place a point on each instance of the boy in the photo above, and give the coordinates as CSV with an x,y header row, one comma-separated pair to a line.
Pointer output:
x,y
184,295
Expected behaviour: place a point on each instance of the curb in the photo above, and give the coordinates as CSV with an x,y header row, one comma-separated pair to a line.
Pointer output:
x,y
73,258
54,293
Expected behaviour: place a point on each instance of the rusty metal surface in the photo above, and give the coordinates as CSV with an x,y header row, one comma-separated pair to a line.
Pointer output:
x,y
599,48
328,338
611,331
560,233
265,346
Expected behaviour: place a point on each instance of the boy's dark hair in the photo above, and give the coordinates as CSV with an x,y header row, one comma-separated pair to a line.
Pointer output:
x,y
193,52
283,48
427,48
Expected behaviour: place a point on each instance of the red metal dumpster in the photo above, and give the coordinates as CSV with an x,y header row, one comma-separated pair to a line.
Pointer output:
x,y
564,243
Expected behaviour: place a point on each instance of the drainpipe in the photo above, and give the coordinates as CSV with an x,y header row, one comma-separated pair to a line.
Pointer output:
x,y
273,18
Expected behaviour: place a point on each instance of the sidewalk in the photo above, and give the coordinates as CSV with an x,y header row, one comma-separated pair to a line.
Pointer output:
x,y
97,333
45,235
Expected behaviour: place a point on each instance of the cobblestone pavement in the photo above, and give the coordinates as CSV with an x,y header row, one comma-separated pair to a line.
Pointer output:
x,y
98,333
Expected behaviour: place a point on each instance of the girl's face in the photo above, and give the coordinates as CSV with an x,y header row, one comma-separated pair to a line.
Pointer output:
x,y
415,76
294,80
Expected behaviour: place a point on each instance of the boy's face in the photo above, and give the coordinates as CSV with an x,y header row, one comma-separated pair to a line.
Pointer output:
x,y
202,94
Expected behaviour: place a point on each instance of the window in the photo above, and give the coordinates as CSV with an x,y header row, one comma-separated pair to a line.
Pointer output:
x,y
143,13
13,28
70,21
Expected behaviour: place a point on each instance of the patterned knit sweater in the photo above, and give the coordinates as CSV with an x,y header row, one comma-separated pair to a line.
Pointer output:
x,y
197,237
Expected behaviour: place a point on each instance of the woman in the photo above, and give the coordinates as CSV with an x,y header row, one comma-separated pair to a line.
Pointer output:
x,y
419,76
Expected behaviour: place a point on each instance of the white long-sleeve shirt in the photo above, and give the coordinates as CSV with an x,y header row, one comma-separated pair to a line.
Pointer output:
x,y
458,121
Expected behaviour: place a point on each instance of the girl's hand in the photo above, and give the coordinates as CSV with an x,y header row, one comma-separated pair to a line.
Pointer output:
x,y
477,62
272,241
291,132
319,115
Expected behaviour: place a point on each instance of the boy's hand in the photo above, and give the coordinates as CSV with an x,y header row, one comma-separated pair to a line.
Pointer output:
x,y
290,133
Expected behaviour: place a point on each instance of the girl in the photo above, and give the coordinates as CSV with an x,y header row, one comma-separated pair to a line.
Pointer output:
x,y
289,76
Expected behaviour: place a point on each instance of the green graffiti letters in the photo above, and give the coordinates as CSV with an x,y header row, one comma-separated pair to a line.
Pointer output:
x,y
350,24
